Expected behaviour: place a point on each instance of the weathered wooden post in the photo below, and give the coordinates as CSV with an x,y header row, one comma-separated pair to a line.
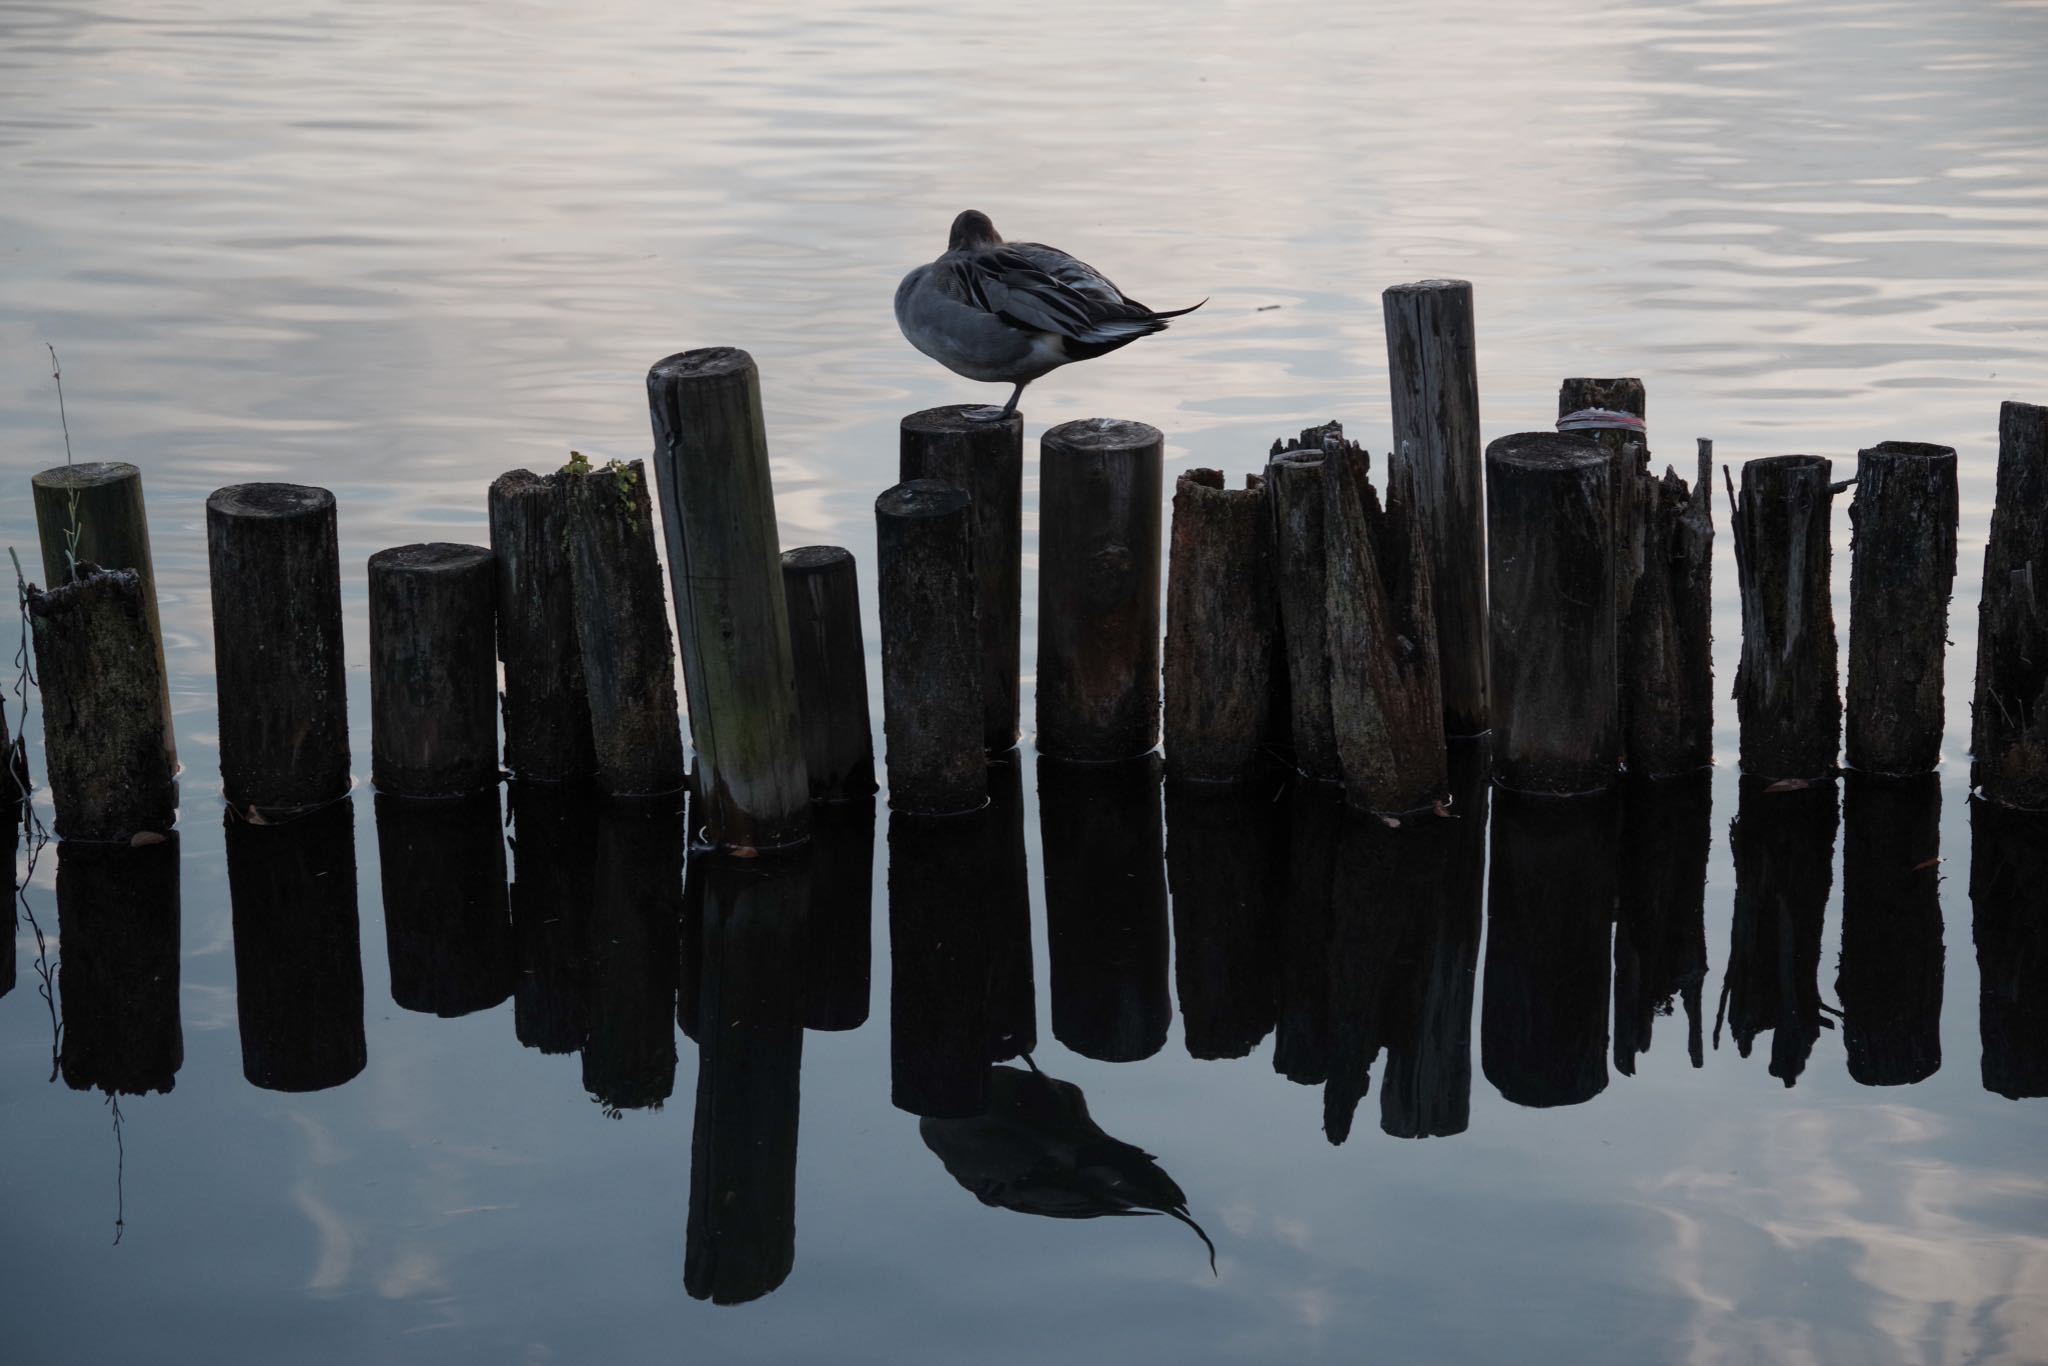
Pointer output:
x,y
433,670
1660,936
1098,589
2008,869
1435,468
1783,843
554,864
1557,718
93,514
986,459
1295,487
822,592
1220,624
1611,412
1889,979
547,707
2009,723
1226,914
931,651
1667,650
622,631
447,929
1787,701
718,510
635,908
1903,563
282,691
117,981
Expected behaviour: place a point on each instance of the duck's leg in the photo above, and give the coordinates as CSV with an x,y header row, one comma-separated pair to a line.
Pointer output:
x,y
1003,413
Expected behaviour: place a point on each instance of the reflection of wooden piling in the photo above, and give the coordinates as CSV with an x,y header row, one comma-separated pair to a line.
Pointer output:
x,y
1294,483
931,649
554,856
1889,981
1903,563
2008,869
117,982
1220,624
433,670
547,708
1660,936
1784,848
2009,723
1301,1034
1667,648
839,921
986,459
446,925
1785,689
822,592
1220,870
1098,589
939,964
1006,891
277,653
298,950
629,1056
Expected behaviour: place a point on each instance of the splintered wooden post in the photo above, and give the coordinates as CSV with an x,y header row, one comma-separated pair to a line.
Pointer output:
x,y
93,514
2009,725
986,459
1219,628
547,709
1786,697
1381,640
822,591
1557,720
1098,589
103,724
931,649
1294,486
1435,467
718,510
277,654
1903,564
1667,647
622,631
433,670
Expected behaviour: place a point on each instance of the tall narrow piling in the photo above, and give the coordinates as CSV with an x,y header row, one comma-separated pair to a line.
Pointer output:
x,y
547,708
718,510
1611,411
1786,695
2009,725
433,670
1220,622
822,591
1098,589
1667,647
1903,563
1295,488
931,653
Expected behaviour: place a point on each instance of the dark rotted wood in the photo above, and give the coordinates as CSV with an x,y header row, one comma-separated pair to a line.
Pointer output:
x,y
101,682
1301,1033
1105,906
629,1056
1434,466
718,511
1006,891
1784,848
433,670
1549,912
1660,935
822,591
986,459
93,514
931,651
1786,694
282,696
2008,869
1385,695
1220,872
1098,589
1294,485
622,631
1628,454
554,862
1667,647
2009,723
1902,566
11,809
741,1240
1889,978
447,929
117,979
940,956
298,949
1220,625
1556,702
839,921
547,708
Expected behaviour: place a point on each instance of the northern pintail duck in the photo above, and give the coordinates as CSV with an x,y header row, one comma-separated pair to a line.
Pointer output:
x,y
1007,312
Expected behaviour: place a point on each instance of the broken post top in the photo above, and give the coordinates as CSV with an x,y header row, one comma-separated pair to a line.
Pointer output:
x,y
954,419
1547,451
1202,482
814,559
918,498
429,557
705,364
1428,287
1616,395
1910,450
1091,434
282,501
513,482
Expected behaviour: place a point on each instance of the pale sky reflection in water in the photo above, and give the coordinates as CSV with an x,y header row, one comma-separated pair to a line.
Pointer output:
x,y
398,249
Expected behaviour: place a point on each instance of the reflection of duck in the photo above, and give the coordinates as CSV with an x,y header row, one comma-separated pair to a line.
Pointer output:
x,y
1037,1151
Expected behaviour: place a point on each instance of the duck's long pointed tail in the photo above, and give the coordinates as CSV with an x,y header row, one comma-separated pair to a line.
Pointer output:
x,y
1184,1217
1177,312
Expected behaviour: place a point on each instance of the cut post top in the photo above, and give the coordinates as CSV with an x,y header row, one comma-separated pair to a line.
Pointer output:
x,y
87,474
1439,286
953,420
280,501
1091,434
815,559
704,363
428,557
917,498
1547,451
1910,450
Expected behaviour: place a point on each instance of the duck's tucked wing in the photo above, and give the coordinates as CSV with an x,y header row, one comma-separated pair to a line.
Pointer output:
x,y
1040,289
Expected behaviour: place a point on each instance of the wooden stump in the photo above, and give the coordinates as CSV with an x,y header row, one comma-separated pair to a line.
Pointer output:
x,y
1660,935
629,1056
1557,718
1889,981
1226,914
986,459
1903,564
718,509
1098,589
1220,625
1785,689
433,670
1667,647
2009,723
1295,487
931,652
117,980
447,929
2008,868
547,707
822,591
1784,850
1435,468
554,864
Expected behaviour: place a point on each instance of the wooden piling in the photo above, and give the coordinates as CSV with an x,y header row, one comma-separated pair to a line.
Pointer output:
x,y
2008,868
1787,701
1220,629
931,652
547,707
447,927
1295,487
1667,646
1889,978
986,459
718,510
1902,565
1557,718
1098,589
1435,468
280,684
433,670
1628,453
118,917
2009,723
821,589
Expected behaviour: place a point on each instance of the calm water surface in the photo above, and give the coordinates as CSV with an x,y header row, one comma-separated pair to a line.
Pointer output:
x,y
398,249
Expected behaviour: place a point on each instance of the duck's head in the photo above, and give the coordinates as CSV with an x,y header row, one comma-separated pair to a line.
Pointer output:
x,y
973,229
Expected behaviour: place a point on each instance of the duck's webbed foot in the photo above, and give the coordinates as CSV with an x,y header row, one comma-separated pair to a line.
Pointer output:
x,y
1001,414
